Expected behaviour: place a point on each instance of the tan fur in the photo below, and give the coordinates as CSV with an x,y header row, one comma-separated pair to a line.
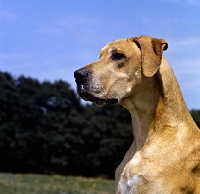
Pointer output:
x,y
165,155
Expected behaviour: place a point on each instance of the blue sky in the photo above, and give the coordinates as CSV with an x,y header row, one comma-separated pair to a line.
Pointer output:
x,y
48,40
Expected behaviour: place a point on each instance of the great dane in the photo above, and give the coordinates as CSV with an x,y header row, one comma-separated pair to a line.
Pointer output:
x,y
164,157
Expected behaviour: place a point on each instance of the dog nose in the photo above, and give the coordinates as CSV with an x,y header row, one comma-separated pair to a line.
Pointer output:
x,y
81,75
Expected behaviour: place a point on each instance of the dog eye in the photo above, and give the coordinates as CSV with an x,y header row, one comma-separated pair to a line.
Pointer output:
x,y
117,56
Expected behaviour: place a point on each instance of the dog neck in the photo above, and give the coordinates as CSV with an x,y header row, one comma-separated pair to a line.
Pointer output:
x,y
156,103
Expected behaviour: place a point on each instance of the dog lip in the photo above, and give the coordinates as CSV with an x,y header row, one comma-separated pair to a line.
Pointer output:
x,y
112,101
89,97
81,91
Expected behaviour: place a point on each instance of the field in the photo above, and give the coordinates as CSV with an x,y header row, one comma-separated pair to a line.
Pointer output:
x,y
53,184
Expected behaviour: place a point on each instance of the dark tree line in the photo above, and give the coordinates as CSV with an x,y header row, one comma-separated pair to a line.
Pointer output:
x,y
45,129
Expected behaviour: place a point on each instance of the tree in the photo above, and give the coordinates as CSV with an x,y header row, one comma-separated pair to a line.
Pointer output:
x,y
107,136
196,116
44,128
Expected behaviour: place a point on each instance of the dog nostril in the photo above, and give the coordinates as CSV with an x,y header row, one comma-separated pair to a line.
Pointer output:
x,y
81,75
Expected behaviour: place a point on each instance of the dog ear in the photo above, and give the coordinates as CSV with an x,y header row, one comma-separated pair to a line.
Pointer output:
x,y
151,49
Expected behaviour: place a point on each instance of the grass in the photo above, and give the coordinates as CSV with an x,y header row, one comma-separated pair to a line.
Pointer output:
x,y
53,184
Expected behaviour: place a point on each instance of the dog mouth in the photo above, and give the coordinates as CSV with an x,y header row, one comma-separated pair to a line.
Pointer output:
x,y
87,96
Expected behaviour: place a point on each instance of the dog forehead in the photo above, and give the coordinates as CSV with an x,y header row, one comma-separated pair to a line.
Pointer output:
x,y
117,45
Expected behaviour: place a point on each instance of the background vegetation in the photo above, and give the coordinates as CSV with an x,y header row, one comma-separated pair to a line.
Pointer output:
x,y
45,129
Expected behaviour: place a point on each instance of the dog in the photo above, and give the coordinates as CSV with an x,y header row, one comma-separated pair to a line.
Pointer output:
x,y
164,157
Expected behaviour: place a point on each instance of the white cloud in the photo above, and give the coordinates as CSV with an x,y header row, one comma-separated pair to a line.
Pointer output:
x,y
7,15
77,20
189,46
190,41
193,66
191,2
14,56
74,23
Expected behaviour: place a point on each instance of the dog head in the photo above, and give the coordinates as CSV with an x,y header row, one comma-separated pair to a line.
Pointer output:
x,y
122,66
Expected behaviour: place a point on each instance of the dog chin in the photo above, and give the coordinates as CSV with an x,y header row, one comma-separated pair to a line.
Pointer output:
x,y
92,98
98,101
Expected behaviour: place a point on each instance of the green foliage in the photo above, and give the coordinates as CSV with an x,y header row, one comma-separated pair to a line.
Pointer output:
x,y
44,128
41,184
196,116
